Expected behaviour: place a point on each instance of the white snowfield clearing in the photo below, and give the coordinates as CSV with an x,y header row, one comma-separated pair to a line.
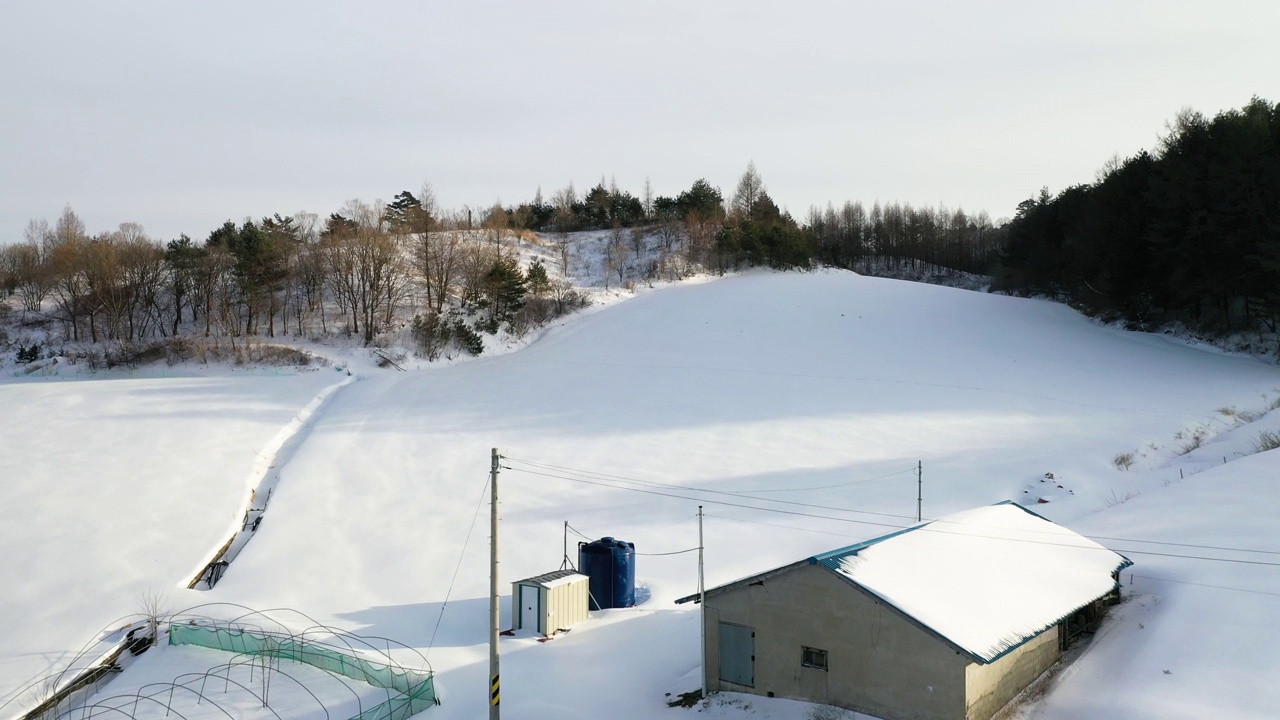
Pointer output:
x,y
117,488
794,408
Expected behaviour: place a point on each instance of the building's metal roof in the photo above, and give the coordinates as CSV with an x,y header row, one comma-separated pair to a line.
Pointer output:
x,y
985,580
553,578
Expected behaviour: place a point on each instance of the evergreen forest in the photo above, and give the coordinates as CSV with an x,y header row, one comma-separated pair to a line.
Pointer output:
x,y
1187,233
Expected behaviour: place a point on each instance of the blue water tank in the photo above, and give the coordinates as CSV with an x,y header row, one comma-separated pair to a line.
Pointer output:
x,y
610,566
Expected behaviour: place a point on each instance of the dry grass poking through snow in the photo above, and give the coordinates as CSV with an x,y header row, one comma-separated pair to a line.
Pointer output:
x,y
1124,460
1267,441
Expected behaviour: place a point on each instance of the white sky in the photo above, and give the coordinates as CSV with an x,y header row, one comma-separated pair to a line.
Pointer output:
x,y
180,115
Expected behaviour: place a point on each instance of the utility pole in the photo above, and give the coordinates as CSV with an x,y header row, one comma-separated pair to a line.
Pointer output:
x,y
919,488
702,607
564,564
494,694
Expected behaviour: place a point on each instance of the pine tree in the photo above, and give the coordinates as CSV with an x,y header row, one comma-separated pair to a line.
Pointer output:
x,y
505,289
536,278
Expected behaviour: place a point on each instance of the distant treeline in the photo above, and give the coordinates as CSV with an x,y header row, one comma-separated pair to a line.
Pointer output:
x,y
360,269
1188,233
750,229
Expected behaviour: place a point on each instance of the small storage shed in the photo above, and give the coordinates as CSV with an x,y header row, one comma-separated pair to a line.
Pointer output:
x,y
549,602
946,620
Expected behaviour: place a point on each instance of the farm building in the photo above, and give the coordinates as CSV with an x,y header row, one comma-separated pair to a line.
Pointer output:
x,y
946,620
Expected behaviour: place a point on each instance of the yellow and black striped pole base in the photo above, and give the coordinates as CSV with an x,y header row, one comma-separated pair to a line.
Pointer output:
x,y
493,691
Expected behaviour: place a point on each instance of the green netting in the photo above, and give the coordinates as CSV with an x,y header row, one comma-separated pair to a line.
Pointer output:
x,y
416,686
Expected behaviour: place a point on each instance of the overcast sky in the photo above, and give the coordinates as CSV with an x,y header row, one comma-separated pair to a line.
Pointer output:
x,y
180,115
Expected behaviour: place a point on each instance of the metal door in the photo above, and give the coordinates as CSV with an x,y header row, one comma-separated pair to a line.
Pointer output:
x,y
529,608
737,654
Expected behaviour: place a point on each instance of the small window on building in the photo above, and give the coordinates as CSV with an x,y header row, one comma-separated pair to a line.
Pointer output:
x,y
813,658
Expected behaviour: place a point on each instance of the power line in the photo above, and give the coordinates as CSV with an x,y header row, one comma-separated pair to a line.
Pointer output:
x,y
897,527
458,567
1185,545
784,527
677,552
713,502
828,487
1207,585
911,519
730,493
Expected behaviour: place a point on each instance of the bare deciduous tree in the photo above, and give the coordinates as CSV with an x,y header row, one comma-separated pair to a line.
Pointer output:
x,y
636,236
564,201
750,188
563,242
669,233
28,265
66,257
615,258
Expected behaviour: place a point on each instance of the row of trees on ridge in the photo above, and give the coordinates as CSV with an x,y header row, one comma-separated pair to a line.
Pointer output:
x,y
361,268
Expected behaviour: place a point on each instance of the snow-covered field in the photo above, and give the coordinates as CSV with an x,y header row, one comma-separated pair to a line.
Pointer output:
x,y
811,395
119,487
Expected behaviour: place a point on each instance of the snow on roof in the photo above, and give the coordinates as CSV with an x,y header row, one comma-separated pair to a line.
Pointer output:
x,y
986,579
553,578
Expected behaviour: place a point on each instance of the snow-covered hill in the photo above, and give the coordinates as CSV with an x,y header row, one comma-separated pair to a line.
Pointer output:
x,y
803,403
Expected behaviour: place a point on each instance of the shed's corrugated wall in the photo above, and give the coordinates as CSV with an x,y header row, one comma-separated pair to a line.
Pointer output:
x,y
563,605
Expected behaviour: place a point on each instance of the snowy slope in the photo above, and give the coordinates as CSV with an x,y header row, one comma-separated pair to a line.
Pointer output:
x,y
1197,638
822,390
762,382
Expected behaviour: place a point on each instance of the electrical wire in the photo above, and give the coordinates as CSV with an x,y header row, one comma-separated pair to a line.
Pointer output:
x,y
712,502
729,493
776,525
837,485
869,522
677,552
1206,585
431,643
911,519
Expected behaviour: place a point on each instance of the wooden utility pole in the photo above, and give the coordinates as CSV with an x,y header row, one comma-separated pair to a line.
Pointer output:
x,y
494,694
702,607
919,488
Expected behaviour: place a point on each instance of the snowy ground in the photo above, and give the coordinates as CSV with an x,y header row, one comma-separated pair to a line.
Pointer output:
x,y
821,389
121,486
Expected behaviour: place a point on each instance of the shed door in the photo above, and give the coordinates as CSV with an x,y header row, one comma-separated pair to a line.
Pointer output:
x,y
529,608
737,654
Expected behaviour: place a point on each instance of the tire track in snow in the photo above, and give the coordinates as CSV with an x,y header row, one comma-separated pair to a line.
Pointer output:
x,y
262,481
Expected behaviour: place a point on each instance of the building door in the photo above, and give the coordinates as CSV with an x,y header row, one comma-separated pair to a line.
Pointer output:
x,y
529,608
737,654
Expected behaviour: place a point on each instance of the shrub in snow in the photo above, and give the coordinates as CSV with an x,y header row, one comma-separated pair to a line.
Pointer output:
x,y
467,338
27,354
567,298
431,335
